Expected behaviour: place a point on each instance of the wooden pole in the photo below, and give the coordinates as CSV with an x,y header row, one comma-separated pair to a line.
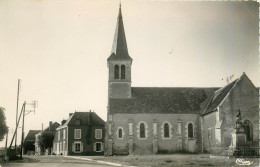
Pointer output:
x,y
6,143
21,151
17,126
17,110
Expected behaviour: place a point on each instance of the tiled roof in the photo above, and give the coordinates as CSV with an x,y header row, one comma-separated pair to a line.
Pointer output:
x,y
163,100
218,97
119,48
220,94
31,135
85,118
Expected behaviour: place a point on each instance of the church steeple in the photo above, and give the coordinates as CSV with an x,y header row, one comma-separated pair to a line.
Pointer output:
x,y
119,48
119,64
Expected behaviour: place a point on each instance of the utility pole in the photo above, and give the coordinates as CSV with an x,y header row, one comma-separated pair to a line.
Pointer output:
x,y
17,111
6,143
34,104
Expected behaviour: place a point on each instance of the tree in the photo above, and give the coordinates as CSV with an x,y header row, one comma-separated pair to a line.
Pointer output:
x,y
3,126
46,140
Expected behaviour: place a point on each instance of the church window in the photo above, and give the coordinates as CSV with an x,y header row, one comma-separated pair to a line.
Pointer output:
x,y
120,133
248,130
116,72
166,130
142,130
190,130
123,72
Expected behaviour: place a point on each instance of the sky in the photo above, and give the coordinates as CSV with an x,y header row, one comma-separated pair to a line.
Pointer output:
x,y
59,49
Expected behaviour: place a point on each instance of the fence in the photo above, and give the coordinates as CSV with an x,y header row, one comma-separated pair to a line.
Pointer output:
x,y
244,151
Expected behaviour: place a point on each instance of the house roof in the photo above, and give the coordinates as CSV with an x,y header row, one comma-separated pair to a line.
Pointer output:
x,y
53,128
85,118
220,94
31,135
163,100
119,48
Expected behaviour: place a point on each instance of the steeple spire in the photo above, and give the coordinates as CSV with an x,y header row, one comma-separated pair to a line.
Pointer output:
x,y
119,48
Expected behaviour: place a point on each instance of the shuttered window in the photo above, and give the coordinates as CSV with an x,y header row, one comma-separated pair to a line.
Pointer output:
x,y
98,133
77,133
77,147
98,147
64,134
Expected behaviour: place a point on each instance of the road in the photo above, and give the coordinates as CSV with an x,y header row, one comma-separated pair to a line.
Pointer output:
x,y
53,161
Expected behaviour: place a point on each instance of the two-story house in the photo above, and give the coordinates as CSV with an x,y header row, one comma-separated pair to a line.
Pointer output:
x,y
83,133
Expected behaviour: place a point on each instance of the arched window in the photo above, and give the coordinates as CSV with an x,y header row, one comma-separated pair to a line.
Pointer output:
x,y
116,72
166,130
120,133
190,130
142,130
123,72
248,130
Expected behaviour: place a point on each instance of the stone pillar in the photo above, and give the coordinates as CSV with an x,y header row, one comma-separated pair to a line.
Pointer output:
x,y
131,140
179,136
238,139
155,137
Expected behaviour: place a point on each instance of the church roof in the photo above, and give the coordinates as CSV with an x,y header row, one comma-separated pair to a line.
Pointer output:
x,y
119,48
220,94
163,100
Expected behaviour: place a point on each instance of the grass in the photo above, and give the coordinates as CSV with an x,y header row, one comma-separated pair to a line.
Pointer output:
x,y
191,160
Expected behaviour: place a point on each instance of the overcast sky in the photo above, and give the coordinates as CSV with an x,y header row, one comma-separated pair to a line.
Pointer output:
x,y
59,49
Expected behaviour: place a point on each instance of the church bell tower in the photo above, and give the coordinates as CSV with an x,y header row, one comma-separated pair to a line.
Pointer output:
x,y
119,64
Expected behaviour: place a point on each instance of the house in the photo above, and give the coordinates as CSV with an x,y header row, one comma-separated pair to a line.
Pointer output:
x,y
29,142
44,139
145,120
83,133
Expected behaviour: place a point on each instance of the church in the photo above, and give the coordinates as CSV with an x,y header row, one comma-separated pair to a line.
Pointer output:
x,y
152,120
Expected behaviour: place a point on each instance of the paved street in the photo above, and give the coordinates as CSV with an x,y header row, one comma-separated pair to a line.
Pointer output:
x,y
53,161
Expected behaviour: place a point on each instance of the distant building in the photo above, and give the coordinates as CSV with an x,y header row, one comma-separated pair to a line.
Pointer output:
x,y
142,120
83,133
50,131
29,142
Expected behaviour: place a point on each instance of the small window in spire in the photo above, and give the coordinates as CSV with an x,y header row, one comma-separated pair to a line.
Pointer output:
x,y
116,72
123,72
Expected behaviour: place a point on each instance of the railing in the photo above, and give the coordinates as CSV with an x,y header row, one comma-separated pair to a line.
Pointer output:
x,y
245,151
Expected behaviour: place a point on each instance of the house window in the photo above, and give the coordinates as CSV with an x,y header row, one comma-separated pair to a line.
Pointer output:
x,y
166,130
116,72
120,133
190,130
64,134
77,147
123,72
98,147
77,133
58,135
142,130
98,133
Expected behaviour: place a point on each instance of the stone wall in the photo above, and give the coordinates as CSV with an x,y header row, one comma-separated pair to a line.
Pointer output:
x,y
176,143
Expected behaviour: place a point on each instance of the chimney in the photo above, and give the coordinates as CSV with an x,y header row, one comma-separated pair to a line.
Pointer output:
x,y
50,123
63,122
70,114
